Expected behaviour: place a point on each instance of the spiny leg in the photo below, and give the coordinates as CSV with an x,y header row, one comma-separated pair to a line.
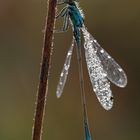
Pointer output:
x,y
65,25
62,12
61,2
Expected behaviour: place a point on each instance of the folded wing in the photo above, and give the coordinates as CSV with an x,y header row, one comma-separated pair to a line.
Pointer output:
x,y
64,72
114,72
97,74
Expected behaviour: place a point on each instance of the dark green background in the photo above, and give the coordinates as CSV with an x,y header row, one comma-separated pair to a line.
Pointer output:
x,y
115,24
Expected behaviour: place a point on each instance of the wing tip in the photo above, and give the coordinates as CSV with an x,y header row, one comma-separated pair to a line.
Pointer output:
x,y
58,94
122,82
107,103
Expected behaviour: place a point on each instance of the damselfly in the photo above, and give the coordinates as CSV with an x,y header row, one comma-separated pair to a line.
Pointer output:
x,y
102,68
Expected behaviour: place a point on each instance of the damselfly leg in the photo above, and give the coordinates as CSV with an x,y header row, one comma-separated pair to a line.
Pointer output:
x,y
63,13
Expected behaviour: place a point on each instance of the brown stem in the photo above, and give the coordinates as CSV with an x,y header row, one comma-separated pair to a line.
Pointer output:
x,y
44,72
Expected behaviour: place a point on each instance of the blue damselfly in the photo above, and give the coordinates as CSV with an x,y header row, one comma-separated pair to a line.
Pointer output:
x,y
102,68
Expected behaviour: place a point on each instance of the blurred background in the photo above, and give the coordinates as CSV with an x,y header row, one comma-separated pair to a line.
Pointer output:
x,y
116,26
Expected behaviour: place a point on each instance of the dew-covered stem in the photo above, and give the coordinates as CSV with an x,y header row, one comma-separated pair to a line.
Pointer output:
x,y
44,72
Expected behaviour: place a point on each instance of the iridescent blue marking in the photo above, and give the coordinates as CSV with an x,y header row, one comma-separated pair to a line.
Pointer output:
x,y
87,133
76,19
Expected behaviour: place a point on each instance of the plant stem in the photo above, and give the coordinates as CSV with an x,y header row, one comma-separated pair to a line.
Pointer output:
x,y
44,72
